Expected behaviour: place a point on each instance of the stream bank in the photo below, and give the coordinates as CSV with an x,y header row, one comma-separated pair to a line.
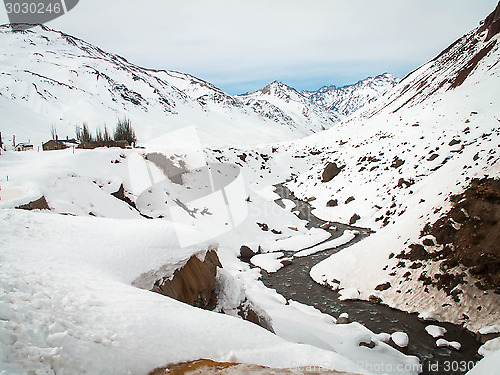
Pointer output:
x,y
294,282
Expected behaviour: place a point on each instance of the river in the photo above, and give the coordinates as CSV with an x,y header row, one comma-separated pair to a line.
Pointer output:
x,y
294,282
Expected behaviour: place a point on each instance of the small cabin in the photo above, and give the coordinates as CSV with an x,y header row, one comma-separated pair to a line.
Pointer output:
x,y
92,145
23,147
60,144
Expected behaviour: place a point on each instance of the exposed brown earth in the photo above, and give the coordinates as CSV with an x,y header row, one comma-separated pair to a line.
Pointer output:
x,y
39,204
207,366
470,236
492,23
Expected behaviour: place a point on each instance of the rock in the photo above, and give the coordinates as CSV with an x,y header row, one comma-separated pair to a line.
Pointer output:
x,y
402,182
370,344
374,299
331,170
383,286
39,204
397,162
194,283
428,242
332,203
246,253
263,226
354,218
120,194
248,312
400,341
286,262
454,142
343,319
325,226
433,157
349,200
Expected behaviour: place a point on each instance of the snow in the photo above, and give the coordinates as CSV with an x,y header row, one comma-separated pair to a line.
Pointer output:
x,y
428,315
488,365
268,262
348,293
298,242
346,237
489,347
490,329
491,361
435,331
442,343
75,287
400,339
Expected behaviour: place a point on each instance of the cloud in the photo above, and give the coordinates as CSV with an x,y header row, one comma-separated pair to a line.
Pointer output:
x,y
235,43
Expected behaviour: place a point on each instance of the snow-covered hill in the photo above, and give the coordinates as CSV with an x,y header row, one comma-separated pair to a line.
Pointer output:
x,y
63,81
348,99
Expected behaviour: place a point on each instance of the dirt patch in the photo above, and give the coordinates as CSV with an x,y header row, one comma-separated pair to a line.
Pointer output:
x,y
469,67
492,23
39,204
210,367
470,234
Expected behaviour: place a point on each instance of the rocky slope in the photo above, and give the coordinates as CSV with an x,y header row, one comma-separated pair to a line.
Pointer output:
x,y
416,149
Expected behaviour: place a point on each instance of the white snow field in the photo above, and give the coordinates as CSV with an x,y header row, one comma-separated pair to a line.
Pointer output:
x,y
68,305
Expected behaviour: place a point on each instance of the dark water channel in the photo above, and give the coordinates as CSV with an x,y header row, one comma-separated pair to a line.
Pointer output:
x,y
294,282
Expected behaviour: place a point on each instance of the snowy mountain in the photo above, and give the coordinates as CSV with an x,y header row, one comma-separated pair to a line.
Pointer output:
x,y
63,81
298,107
348,99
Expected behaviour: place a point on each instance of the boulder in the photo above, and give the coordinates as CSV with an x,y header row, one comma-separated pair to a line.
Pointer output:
x,y
246,253
332,203
354,218
331,170
194,283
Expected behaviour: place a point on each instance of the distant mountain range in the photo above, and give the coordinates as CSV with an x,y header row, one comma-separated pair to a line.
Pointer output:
x,y
49,78
348,99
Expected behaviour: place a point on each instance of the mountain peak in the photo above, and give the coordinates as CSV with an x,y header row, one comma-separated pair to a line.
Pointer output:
x,y
274,87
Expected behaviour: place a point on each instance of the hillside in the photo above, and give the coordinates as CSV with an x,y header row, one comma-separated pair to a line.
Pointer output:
x,y
49,78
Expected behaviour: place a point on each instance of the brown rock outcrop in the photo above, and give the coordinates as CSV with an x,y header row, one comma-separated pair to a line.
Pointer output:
x,y
194,283
39,204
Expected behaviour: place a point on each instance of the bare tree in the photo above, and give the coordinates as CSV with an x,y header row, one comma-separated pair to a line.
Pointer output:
x,y
53,132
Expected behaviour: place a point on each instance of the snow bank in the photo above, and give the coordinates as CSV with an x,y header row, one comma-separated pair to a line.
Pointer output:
x,y
346,237
268,262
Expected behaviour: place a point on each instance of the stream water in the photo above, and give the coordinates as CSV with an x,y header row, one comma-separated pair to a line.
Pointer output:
x,y
294,282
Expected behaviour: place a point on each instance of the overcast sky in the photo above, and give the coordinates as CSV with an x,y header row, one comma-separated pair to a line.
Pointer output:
x,y
242,45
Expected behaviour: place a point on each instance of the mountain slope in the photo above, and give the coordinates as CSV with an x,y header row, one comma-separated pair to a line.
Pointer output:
x,y
423,143
64,81
348,99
